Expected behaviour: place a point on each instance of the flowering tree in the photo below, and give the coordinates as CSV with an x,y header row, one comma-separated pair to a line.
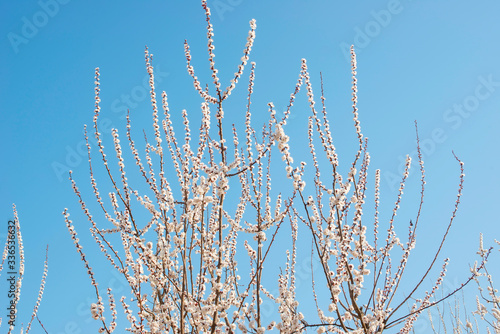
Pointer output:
x,y
185,236
490,310
487,313
9,256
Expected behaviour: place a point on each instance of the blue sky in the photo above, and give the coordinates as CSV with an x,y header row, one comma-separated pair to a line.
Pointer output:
x,y
431,61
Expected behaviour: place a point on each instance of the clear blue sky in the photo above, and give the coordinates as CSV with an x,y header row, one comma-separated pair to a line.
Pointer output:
x,y
436,62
